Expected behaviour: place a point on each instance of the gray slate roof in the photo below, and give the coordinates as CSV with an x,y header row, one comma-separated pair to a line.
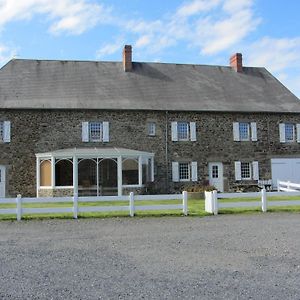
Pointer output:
x,y
151,86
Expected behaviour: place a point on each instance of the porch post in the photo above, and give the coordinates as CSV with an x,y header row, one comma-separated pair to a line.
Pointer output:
x,y
75,175
152,169
37,176
120,176
52,172
140,171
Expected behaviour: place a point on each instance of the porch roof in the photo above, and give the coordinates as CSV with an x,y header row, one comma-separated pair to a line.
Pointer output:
x,y
94,152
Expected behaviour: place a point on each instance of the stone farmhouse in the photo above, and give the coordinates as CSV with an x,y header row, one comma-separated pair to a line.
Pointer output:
x,y
106,128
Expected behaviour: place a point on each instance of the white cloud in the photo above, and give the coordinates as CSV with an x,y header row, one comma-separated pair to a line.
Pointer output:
x,y
111,48
6,53
70,16
280,56
195,7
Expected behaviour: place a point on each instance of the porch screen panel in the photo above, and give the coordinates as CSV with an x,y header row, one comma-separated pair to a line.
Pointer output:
x,y
45,173
130,172
64,173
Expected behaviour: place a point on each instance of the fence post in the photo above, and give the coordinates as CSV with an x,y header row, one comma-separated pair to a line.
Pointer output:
x,y
19,207
215,202
131,204
75,206
278,187
263,200
184,203
288,185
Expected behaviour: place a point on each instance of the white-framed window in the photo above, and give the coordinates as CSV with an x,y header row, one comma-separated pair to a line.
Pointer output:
x,y
244,131
96,131
289,132
215,171
245,170
151,128
183,131
5,131
184,171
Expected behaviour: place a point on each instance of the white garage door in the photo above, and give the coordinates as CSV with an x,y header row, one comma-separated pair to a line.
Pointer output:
x,y
286,169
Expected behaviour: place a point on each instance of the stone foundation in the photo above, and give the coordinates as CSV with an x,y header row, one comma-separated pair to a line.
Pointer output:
x,y
56,192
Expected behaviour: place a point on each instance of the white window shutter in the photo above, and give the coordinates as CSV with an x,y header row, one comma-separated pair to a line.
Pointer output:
x,y
85,131
236,131
255,170
193,131
298,133
175,171
174,131
237,168
282,132
194,166
6,131
105,131
253,132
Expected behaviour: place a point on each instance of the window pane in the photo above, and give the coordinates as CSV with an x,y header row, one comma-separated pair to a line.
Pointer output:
x,y
96,131
184,171
130,172
215,172
183,130
151,128
245,170
289,132
64,173
244,131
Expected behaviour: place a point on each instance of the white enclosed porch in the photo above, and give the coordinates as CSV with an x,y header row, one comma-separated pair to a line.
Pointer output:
x,y
92,171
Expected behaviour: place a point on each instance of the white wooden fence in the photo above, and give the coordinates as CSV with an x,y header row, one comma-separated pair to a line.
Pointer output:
x,y
287,186
212,203
76,208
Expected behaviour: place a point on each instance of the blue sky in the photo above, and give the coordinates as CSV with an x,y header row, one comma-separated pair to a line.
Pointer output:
x,y
192,31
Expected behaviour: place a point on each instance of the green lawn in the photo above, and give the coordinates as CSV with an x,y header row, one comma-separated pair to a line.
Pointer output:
x,y
195,208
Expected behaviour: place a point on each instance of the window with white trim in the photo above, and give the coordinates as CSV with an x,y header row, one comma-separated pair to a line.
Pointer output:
x,y
96,131
1,131
183,131
184,171
151,128
244,130
289,132
245,171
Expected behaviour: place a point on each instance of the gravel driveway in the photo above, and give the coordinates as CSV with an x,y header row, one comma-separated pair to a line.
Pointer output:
x,y
224,257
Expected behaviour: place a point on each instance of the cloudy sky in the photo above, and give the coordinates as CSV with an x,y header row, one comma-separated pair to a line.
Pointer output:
x,y
183,31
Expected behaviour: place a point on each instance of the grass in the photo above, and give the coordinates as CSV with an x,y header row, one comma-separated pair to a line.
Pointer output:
x,y
195,208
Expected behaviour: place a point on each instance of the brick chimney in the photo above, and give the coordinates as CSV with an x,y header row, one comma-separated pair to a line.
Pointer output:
x,y
236,62
127,58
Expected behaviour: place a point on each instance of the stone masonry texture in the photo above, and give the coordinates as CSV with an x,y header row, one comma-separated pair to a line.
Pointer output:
x,y
37,131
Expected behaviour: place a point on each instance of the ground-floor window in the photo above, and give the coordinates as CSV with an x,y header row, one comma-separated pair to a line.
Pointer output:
x,y
130,172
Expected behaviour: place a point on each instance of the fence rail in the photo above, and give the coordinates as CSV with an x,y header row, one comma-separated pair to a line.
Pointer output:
x,y
76,208
212,203
287,186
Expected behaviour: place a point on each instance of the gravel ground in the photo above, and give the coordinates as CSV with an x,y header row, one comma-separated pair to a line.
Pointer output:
x,y
223,257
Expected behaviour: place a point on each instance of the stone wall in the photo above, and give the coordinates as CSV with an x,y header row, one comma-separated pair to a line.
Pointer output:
x,y
56,192
37,131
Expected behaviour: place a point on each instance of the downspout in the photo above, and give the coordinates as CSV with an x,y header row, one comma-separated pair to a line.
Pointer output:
x,y
166,153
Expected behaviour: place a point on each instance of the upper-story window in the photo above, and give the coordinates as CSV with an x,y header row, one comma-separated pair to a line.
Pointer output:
x,y
289,132
151,128
244,131
5,131
183,131
95,131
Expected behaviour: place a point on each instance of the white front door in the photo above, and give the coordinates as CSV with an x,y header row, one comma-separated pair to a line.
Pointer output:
x,y
2,181
216,175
